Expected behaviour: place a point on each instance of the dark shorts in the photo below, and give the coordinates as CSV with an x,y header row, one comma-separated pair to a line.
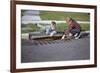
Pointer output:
x,y
74,31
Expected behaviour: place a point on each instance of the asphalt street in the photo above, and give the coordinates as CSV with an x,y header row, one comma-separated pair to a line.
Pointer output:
x,y
60,50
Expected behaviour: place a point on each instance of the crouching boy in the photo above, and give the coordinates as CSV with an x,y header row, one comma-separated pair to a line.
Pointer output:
x,y
73,29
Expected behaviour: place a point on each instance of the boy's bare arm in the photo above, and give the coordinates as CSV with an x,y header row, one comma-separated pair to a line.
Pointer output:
x,y
67,30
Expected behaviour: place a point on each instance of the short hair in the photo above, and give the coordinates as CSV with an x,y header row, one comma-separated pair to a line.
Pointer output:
x,y
53,22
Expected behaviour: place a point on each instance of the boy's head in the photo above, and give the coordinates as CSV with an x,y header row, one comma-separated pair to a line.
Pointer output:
x,y
68,20
53,22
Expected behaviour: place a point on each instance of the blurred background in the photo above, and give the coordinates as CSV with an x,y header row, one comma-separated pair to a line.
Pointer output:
x,y
33,21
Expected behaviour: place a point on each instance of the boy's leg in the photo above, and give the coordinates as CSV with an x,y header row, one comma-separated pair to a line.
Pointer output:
x,y
52,33
76,33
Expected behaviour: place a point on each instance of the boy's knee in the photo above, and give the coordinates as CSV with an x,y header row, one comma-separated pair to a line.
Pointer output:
x,y
70,34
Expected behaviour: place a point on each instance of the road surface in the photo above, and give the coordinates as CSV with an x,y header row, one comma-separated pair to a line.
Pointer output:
x,y
60,50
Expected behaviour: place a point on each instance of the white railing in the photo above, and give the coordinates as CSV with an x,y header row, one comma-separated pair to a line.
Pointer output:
x,y
49,22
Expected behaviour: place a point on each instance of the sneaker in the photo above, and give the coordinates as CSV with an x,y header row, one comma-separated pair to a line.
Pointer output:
x,y
77,37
